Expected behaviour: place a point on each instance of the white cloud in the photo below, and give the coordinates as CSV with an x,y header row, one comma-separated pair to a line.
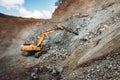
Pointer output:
x,y
11,3
18,5
35,13
26,13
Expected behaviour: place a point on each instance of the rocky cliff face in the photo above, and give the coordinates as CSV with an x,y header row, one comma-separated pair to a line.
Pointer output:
x,y
69,7
72,56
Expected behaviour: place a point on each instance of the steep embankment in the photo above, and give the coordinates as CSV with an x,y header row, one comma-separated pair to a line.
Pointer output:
x,y
98,25
13,32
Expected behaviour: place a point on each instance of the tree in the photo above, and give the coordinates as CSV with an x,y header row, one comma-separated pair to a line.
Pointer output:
x,y
57,3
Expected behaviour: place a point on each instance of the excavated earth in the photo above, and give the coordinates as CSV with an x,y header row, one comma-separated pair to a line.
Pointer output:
x,y
94,54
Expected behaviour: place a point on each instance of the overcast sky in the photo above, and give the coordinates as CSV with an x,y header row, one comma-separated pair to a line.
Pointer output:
x,y
28,8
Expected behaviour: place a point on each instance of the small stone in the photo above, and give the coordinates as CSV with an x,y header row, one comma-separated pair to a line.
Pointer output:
x,y
97,67
60,70
92,69
108,58
34,76
114,68
109,66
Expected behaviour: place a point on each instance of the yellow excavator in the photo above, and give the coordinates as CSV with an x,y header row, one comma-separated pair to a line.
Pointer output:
x,y
37,46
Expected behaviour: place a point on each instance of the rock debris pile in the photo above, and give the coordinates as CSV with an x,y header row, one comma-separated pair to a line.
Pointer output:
x,y
46,73
105,68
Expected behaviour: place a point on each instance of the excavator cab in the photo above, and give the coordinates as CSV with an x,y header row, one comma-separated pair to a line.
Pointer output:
x,y
37,46
27,43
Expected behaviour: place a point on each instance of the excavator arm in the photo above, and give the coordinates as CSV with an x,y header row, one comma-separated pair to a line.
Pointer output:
x,y
43,35
60,27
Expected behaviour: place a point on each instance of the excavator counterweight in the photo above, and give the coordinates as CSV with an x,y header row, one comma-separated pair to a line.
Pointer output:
x,y
30,48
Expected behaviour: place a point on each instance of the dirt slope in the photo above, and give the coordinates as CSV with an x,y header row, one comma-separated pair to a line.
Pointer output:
x,y
10,26
13,32
74,56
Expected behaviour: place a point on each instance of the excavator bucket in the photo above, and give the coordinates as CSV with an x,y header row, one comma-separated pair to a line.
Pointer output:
x,y
59,26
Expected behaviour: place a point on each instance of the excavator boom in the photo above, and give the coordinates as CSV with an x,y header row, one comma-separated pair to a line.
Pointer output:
x,y
43,35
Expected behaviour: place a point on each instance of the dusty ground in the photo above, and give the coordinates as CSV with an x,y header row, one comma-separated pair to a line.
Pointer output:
x,y
12,35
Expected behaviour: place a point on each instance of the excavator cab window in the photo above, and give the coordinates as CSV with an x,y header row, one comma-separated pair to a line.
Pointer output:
x,y
27,43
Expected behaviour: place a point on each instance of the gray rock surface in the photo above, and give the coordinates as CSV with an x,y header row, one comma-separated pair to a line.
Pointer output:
x,y
105,68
